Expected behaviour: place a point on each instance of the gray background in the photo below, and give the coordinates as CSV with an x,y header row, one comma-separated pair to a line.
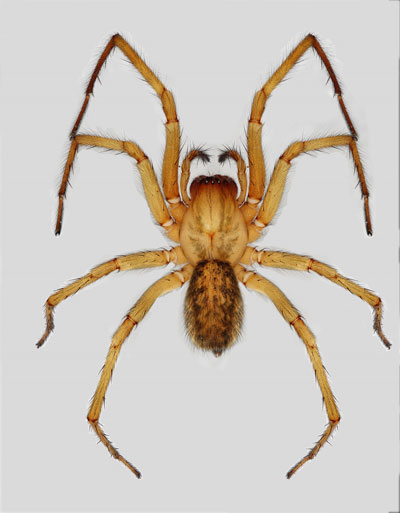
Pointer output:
x,y
207,434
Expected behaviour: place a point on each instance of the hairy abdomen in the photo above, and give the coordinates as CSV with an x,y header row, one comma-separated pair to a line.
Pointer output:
x,y
213,306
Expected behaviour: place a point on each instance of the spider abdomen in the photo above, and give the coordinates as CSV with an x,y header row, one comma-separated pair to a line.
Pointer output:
x,y
213,306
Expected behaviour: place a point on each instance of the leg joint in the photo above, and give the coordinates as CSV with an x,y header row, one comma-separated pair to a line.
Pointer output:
x,y
180,276
285,159
296,319
168,223
246,277
255,121
255,256
335,421
174,200
253,201
129,318
259,224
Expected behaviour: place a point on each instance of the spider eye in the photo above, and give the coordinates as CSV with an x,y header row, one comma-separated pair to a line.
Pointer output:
x,y
220,180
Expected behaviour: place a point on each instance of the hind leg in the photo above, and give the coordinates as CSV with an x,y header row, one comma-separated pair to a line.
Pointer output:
x,y
260,284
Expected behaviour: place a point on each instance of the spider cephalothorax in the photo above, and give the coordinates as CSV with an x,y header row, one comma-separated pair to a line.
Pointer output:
x,y
214,226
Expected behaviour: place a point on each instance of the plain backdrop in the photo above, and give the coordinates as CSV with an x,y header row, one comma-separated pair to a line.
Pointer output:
x,y
207,434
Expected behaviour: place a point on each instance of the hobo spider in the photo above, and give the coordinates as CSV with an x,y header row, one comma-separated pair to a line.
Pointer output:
x,y
214,225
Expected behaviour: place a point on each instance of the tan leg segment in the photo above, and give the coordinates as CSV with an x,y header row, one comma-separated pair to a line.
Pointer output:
x,y
254,143
151,187
284,260
260,284
172,147
278,179
121,263
166,284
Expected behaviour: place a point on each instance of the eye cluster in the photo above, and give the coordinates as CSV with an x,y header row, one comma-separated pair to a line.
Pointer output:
x,y
214,179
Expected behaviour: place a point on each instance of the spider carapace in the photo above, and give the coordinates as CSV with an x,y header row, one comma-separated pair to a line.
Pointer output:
x,y
213,223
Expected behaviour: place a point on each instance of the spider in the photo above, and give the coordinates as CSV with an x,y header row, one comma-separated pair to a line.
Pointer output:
x,y
213,224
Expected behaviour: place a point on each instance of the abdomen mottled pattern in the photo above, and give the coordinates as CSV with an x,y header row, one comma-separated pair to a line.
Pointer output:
x,y
213,306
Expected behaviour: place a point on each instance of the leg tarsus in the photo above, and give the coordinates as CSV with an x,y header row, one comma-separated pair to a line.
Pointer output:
x,y
378,325
314,451
49,324
111,449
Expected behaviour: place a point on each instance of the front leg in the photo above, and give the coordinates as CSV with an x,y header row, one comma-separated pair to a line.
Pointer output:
x,y
254,131
172,127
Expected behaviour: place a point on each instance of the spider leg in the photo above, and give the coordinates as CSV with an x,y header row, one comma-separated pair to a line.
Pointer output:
x,y
254,132
172,147
151,187
166,284
121,263
278,179
295,262
260,284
